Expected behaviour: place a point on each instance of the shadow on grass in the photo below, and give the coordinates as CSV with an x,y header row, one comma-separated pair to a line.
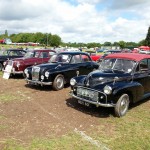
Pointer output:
x,y
100,112
144,100
44,87
16,76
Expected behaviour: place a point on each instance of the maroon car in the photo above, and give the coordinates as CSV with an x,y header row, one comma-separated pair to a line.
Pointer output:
x,y
32,57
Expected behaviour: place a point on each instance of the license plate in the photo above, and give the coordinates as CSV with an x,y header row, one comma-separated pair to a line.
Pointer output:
x,y
83,103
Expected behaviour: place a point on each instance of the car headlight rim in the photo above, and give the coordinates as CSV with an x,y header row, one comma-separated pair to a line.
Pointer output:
x,y
107,89
73,82
47,74
26,71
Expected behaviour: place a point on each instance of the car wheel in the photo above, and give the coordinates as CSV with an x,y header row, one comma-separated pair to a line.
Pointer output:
x,y
122,105
1,67
58,83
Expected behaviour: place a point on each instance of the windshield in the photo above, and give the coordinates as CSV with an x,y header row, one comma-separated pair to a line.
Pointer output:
x,y
3,52
123,65
31,54
65,58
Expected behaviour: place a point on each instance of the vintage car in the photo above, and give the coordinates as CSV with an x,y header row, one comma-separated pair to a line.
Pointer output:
x,y
60,69
94,56
122,79
32,57
107,52
10,54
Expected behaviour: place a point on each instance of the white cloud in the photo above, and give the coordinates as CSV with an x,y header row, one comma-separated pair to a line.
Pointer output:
x,y
82,22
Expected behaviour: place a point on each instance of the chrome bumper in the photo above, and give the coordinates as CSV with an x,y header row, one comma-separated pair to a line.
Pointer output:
x,y
14,72
38,82
91,102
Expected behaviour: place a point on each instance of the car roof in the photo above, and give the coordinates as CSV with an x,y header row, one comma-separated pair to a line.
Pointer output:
x,y
40,50
73,52
14,50
130,56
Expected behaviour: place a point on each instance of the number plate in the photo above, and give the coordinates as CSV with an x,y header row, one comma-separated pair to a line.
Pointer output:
x,y
83,103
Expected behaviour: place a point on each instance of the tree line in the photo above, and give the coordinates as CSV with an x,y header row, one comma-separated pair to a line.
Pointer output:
x,y
47,39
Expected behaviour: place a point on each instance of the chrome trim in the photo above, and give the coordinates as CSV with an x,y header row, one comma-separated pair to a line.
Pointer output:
x,y
94,90
38,82
14,72
91,102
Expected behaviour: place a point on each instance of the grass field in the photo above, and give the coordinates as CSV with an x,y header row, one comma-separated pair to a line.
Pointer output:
x,y
131,132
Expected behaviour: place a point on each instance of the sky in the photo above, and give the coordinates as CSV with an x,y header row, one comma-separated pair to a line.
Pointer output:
x,y
78,21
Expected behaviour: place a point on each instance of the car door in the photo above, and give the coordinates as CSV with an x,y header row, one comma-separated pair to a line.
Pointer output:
x,y
142,75
43,57
86,65
73,67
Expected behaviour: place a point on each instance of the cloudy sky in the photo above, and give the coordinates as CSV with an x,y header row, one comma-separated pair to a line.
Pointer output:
x,y
78,20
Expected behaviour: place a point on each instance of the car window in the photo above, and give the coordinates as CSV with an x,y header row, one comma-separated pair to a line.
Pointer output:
x,y
76,59
117,64
13,53
85,58
51,53
142,66
20,53
36,54
44,55
148,63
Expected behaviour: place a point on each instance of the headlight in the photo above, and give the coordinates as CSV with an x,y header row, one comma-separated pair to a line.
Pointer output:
x,y
47,74
42,77
26,71
107,89
72,82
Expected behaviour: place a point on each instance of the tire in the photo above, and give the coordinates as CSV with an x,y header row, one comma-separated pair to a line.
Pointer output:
x,y
122,105
1,67
58,83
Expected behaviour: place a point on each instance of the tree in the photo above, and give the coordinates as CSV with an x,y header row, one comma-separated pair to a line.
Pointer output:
x,y
142,42
107,44
122,44
6,33
55,40
147,39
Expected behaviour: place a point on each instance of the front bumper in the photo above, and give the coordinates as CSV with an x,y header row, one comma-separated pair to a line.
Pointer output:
x,y
37,82
13,72
91,102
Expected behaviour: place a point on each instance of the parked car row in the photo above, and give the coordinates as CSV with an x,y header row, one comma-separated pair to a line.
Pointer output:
x,y
118,81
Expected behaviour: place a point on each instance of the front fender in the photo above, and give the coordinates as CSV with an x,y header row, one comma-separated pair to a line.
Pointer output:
x,y
134,89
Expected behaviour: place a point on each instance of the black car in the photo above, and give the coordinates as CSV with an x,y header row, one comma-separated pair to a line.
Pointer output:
x,y
60,69
121,79
10,54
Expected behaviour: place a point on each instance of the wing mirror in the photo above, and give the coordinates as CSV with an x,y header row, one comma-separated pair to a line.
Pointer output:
x,y
77,73
115,79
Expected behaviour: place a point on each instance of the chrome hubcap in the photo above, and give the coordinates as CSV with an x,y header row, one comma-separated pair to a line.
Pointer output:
x,y
124,104
60,82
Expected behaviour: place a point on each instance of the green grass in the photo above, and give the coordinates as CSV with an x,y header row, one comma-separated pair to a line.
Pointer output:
x,y
129,132
7,97
68,142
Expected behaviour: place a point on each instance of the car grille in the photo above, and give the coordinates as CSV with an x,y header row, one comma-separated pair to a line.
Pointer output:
x,y
35,73
90,94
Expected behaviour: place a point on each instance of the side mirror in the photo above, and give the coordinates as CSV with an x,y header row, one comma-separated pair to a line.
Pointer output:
x,y
115,79
77,73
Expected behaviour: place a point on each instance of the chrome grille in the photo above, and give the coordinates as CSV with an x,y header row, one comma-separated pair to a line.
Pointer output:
x,y
88,94
35,73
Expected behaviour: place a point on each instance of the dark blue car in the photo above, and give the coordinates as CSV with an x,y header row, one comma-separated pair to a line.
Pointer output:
x,y
60,69
121,79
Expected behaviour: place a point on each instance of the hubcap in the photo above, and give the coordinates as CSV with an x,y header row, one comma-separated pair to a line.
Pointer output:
x,y
60,82
124,104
